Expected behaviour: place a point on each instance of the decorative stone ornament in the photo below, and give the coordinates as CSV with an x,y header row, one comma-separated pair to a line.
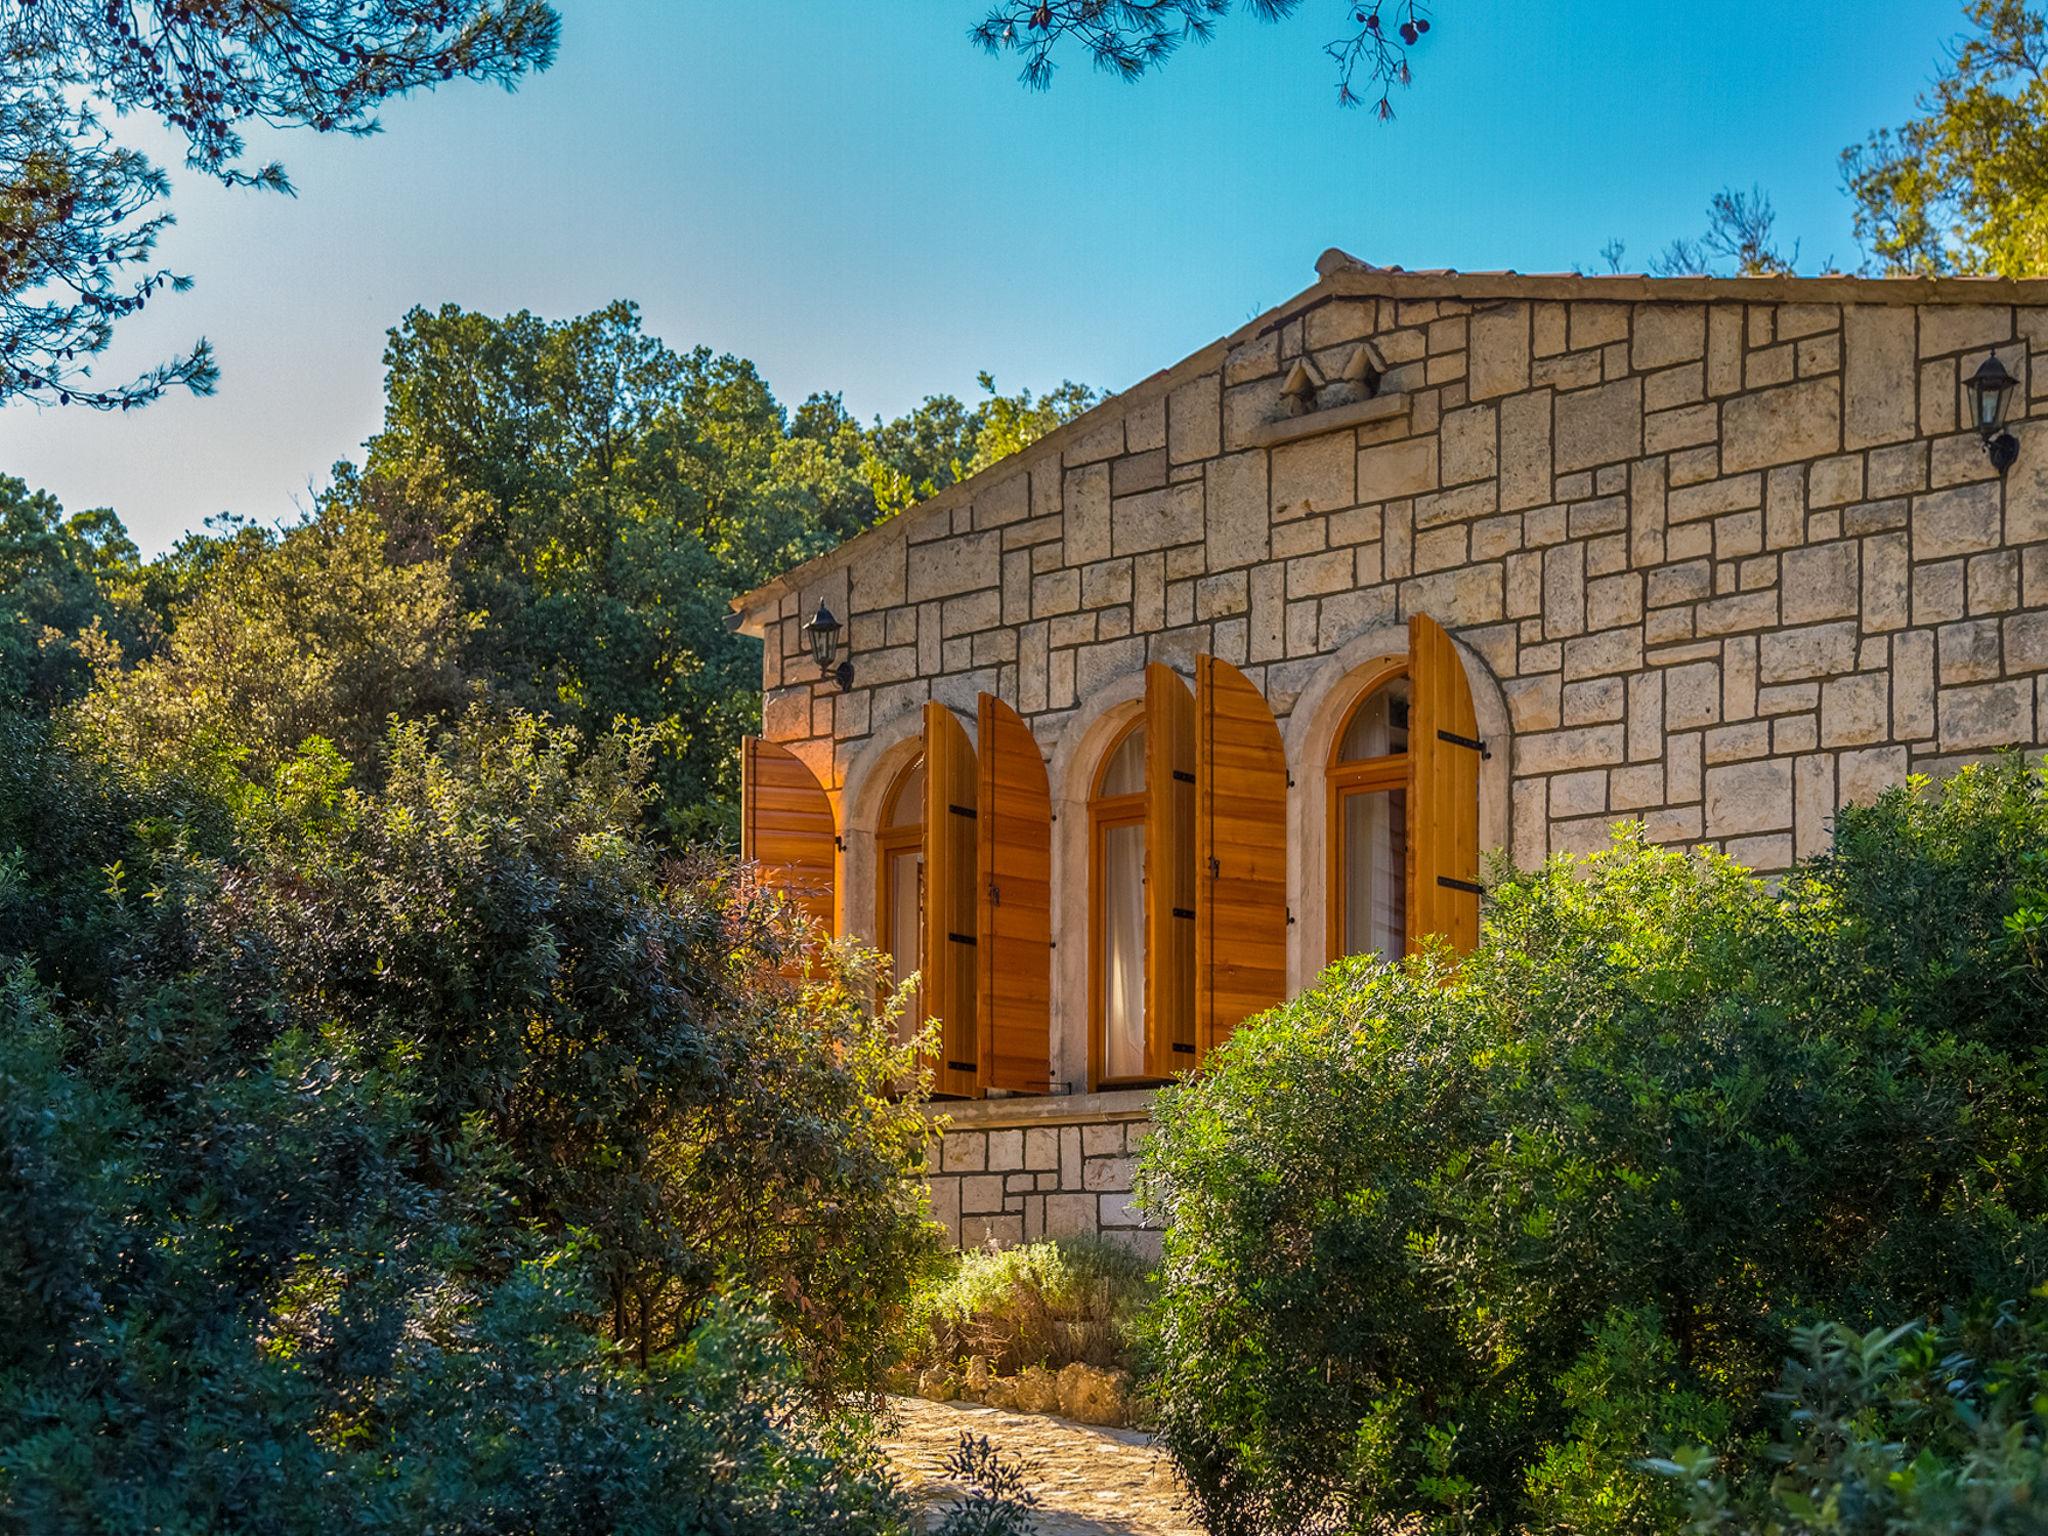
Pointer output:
x,y
1991,388
1300,388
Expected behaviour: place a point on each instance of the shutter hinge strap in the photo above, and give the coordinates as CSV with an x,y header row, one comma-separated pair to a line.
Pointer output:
x,y
1453,883
961,938
963,810
1186,912
1182,776
1470,743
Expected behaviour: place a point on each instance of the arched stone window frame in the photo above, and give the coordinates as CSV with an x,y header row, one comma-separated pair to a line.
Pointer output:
x,y
1311,728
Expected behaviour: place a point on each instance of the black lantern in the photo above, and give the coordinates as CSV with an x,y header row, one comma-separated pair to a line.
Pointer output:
x,y
823,633
1990,389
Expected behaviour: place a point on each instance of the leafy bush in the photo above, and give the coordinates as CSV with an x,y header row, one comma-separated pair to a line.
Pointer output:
x,y
436,1158
1458,1249
1906,1432
999,1498
1045,1304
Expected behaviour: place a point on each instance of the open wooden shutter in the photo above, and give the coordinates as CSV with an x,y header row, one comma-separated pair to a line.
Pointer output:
x,y
1240,853
787,829
1169,873
1443,791
950,902
1013,955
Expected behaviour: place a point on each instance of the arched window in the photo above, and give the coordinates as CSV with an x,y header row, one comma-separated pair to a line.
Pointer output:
x,y
1116,906
1368,822
899,858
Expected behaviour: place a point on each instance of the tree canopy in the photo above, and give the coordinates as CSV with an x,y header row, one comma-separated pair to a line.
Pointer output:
x,y
80,213
1963,185
1130,38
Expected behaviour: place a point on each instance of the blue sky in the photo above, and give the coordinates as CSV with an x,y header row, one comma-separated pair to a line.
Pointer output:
x,y
872,206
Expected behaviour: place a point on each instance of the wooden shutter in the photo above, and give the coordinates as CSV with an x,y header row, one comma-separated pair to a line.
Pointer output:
x,y
787,829
1443,791
1169,873
1013,952
1240,853
950,902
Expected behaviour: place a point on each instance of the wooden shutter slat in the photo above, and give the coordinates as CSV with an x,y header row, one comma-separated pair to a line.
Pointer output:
x,y
950,902
1014,956
1169,873
787,829
1443,791
1240,853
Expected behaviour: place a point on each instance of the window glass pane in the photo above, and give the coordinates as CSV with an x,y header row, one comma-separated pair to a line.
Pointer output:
x,y
906,923
1379,726
1121,933
906,809
1375,873
1124,773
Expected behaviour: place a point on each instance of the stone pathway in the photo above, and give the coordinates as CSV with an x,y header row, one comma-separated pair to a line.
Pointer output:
x,y
1089,1481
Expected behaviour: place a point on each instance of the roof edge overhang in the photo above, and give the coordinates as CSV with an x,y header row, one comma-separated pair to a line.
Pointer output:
x,y
1343,276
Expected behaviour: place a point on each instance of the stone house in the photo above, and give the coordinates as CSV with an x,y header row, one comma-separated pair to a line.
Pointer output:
x,y
1249,667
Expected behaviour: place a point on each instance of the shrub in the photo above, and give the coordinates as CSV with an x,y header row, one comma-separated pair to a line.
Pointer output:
x,y
1460,1248
1909,1432
1045,1304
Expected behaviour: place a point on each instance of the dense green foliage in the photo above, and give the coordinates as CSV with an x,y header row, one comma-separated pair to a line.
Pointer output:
x,y
64,581
1045,1304
1963,185
1910,1430
1462,1249
440,1155
555,518
408,1127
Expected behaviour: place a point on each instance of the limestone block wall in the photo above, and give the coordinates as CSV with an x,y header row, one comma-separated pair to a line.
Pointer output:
x,y
1009,1171
1729,564
1719,557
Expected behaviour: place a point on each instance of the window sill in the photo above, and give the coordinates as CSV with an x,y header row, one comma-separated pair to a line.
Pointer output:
x,y
1061,1109
1289,428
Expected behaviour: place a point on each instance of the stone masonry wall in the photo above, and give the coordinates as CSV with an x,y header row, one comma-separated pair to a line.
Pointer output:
x,y
1009,1171
1727,565
1730,564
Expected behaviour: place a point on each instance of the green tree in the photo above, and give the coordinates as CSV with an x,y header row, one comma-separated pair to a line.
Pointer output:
x,y
80,214
942,441
1963,185
67,584
599,498
274,638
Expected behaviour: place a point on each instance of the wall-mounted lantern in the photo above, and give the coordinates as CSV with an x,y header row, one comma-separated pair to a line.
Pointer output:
x,y
1990,389
823,633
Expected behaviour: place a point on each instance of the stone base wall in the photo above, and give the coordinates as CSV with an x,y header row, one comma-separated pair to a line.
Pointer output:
x,y
1009,1171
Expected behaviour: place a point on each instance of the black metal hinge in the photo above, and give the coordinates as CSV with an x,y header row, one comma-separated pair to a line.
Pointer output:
x,y
963,810
959,1066
1470,743
1451,882
1186,912
1182,776
1180,1045
961,938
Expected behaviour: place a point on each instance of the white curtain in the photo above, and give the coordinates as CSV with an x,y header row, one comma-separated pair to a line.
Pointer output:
x,y
1123,951
906,925
1376,873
